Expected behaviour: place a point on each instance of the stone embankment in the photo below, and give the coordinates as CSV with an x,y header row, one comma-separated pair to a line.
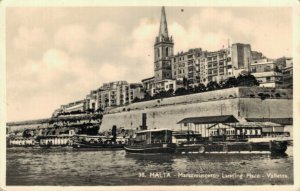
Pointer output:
x,y
242,102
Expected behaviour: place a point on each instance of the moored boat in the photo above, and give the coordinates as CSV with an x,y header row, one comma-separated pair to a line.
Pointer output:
x,y
98,142
152,141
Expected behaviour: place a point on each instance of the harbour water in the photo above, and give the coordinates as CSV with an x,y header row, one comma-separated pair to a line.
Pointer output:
x,y
66,166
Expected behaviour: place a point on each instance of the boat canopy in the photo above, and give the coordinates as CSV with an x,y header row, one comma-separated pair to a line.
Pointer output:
x,y
210,119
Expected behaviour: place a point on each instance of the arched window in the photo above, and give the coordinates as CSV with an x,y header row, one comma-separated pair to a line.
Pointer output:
x,y
158,54
167,51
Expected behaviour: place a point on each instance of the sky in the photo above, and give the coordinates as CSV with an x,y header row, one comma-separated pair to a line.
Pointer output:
x,y
56,55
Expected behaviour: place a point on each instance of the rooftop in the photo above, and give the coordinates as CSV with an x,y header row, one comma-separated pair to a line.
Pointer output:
x,y
210,119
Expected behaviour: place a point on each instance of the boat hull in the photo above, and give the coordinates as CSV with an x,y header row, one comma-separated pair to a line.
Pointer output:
x,y
97,146
151,148
273,147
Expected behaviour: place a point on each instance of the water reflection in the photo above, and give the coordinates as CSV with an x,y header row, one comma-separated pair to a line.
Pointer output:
x,y
151,158
104,167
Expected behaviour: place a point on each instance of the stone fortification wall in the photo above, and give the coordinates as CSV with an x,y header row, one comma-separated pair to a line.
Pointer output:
x,y
268,108
240,92
168,116
240,102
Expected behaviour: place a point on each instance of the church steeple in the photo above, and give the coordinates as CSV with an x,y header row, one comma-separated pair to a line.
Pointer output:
x,y
163,50
163,28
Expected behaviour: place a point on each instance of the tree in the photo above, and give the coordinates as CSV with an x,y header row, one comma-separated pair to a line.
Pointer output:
x,y
212,85
136,99
247,80
170,93
161,94
26,133
229,82
181,91
200,88
147,96
106,102
185,82
99,109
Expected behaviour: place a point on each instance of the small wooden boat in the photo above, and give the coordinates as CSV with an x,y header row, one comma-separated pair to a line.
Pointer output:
x,y
98,142
152,141
98,145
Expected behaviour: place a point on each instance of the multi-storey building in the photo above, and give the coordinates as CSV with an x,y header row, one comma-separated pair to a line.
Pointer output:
x,y
73,106
217,66
118,93
185,66
195,66
267,73
240,57
149,86
288,74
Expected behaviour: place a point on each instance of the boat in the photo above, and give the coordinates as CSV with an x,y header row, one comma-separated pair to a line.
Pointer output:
x,y
98,142
152,141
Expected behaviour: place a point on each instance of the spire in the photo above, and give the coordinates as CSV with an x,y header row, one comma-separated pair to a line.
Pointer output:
x,y
163,29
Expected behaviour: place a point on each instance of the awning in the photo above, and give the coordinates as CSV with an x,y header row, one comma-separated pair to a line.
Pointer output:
x,y
282,121
210,119
256,125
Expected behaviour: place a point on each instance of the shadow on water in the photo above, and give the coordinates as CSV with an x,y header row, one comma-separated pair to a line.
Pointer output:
x,y
153,158
279,156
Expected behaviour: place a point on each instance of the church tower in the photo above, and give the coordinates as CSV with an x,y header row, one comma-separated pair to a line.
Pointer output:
x,y
163,49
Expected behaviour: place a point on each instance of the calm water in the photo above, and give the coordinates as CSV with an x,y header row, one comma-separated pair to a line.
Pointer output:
x,y
71,167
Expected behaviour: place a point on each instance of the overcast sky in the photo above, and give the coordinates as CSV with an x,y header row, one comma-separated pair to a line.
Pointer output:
x,y
57,55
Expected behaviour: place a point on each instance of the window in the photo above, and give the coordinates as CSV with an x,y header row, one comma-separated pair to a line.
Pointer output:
x,y
167,51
